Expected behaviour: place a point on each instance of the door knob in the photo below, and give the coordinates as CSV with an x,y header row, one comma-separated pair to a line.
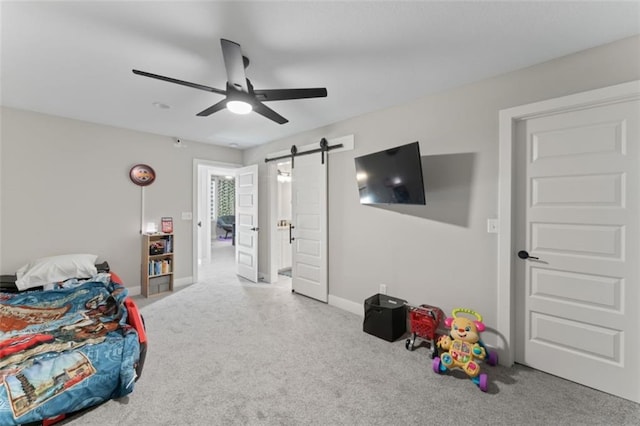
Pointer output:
x,y
523,254
255,229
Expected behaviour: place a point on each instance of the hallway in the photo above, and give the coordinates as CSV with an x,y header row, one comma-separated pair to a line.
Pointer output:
x,y
220,270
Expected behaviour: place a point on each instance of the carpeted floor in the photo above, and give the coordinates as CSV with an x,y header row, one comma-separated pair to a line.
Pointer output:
x,y
285,273
228,352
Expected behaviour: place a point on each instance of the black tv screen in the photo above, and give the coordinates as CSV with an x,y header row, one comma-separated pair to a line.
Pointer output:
x,y
392,176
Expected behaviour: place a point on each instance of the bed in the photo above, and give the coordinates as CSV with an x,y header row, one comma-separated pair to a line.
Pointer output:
x,y
66,345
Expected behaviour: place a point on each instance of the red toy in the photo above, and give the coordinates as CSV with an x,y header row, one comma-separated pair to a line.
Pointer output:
x,y
424,321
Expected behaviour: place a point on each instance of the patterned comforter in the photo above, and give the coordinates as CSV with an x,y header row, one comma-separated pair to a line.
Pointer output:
x,y
64,350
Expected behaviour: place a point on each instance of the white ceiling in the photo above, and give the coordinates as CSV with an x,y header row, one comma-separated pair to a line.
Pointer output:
x,y
74,59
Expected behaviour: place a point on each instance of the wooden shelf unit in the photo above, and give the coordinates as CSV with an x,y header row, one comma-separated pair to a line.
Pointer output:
x,y
157,264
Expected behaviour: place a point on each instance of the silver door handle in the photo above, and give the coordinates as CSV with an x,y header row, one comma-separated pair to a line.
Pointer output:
x,y
255,229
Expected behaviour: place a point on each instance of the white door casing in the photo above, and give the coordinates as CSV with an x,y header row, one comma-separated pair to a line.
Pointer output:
x,y
198,196
309,219
246,237
203,215
576,197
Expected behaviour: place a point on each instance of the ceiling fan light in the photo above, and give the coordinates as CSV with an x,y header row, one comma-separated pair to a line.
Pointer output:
x,y
239,107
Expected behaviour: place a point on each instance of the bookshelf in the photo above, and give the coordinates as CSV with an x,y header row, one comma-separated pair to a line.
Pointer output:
x,y
157,264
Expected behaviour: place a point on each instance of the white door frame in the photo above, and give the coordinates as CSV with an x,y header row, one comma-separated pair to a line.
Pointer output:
x,y
223,168
506,249
204,201
272,218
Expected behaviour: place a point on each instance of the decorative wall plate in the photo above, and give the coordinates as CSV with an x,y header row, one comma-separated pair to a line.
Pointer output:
x,y
142,175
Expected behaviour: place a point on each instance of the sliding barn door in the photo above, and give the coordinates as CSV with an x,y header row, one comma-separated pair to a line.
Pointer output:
x,y
309,219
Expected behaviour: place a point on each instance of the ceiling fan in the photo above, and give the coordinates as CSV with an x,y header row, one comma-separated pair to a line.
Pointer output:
x,y
241,97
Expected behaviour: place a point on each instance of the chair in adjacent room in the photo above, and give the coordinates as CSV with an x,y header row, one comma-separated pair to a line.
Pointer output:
x,y
226,223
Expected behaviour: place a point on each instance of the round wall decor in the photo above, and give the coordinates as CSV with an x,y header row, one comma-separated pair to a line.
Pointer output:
x,y
142,175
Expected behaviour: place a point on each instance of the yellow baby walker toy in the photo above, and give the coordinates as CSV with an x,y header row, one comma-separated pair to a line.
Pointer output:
x,y
462,348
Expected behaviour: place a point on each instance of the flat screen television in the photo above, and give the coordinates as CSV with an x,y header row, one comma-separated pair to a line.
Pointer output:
x,y
392,176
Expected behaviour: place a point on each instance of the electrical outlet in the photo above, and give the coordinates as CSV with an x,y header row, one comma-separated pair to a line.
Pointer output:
x,y
383,289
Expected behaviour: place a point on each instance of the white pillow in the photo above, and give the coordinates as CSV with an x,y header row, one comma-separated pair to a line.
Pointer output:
x,y
53,269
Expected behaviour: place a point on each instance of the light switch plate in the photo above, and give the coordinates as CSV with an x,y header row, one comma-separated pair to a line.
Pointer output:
x,y
492,226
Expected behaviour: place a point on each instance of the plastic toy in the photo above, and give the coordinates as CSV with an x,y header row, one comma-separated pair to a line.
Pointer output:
x,y
462,348
424,321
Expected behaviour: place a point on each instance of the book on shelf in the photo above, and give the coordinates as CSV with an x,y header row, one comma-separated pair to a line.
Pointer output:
x,y
159,267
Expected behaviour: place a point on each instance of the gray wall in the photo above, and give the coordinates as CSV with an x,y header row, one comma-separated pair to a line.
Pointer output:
x,y
65,188
440,253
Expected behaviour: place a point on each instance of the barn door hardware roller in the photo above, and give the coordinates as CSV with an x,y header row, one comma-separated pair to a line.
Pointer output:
x,y
294,151
324,147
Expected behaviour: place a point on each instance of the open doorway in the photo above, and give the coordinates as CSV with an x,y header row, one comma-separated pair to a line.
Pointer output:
x,y
283,215
215,219
280,247
222,223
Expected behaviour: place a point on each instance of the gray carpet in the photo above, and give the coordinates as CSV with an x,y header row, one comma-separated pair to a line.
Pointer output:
x,y
285,273
235,353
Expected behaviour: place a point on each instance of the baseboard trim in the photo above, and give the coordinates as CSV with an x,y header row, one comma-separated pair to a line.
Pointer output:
x,y
181,282
178,282
347,305
134,291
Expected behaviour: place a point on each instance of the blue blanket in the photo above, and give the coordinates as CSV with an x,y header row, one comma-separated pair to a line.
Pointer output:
x,y
64,350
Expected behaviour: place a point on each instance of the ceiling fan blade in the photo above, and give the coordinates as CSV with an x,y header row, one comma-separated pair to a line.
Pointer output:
x,y
176,81
234,65
283,94
265,111
213,108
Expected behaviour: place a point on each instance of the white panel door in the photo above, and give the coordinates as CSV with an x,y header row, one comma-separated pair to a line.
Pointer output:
x,y
578,297
309,221
246,238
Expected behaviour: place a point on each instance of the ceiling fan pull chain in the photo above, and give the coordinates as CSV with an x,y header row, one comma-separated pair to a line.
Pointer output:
x,y
294,151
